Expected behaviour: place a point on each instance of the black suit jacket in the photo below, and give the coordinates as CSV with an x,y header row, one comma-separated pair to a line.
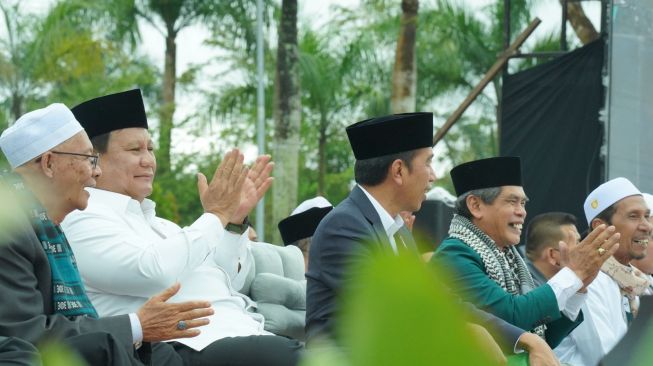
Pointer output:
x,y
26,306
346,235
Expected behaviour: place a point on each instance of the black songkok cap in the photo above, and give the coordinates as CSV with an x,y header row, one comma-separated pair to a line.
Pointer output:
x,y
111,112
486,173
301,225
392,134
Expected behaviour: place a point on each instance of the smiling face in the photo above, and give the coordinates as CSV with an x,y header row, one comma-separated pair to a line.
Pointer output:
x,y
128,164
631,220
502,220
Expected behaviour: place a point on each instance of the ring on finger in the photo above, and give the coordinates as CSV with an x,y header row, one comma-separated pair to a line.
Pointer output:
x,y
181,325
601,251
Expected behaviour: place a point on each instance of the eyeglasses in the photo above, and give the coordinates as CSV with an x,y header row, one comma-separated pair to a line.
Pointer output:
x,y
93,159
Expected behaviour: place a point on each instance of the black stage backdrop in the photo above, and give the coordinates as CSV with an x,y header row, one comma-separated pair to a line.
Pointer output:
x,y
550,118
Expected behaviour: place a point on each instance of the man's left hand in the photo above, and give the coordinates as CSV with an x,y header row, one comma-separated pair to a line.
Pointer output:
x,y
539,352
257,183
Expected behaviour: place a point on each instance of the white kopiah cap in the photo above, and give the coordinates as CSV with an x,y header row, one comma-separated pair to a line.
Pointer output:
x,y
606,194
318,202
37,132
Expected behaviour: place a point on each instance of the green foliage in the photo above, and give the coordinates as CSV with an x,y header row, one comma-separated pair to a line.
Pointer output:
x,y
63,57
397,312
58,354
176,194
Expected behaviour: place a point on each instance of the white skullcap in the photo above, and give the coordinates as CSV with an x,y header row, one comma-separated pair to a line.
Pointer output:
x,y
37,132
649,200
606,194
318,201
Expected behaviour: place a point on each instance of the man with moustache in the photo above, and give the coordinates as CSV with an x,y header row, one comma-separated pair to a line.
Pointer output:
x,y
487,269
393,172
43,298
646,264
613,297
126,252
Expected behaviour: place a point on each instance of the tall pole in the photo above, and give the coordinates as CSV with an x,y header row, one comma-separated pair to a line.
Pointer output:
x,y
260,111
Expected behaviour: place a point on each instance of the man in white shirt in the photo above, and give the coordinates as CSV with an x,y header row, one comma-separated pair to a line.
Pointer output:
x,y
646,264
613,295
582,346
126,252
43,298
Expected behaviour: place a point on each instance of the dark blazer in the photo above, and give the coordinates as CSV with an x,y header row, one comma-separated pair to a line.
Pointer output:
x,y
346,235
26,306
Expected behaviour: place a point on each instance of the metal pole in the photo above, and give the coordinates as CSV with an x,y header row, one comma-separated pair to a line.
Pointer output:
x,y
563,27
260,111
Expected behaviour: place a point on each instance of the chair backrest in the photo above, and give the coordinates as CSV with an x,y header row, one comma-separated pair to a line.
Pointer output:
x,y
276,282
285,261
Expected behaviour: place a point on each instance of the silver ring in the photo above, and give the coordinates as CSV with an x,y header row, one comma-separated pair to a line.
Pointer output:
x,y
181,325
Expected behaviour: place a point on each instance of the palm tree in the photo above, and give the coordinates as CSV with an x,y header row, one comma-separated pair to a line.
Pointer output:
x,y
404,73
580,23
287,115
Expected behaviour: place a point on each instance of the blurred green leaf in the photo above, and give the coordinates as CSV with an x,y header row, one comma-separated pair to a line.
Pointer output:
x,y
396,312
58,354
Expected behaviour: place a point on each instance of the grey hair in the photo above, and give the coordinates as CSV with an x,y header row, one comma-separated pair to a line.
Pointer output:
x,y
487,195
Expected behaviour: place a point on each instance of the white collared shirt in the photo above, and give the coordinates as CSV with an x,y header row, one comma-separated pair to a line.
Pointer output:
x,y
604,324
390,225
126,254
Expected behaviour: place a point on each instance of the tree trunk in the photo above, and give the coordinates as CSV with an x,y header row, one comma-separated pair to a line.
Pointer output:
x,y
321,156
580,22
16,107
404,78
167,110
287,116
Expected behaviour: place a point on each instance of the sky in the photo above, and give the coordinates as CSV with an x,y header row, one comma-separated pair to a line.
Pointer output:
x,y
191,50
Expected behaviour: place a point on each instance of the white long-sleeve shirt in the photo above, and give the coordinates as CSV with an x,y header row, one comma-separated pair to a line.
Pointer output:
x,y
126,254
603,326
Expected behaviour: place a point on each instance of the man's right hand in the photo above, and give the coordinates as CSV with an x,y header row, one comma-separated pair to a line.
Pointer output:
x,y
586,258
221,196
159,319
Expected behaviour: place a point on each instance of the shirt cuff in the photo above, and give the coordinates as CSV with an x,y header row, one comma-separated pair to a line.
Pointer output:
x,y
137,330
574,304
210,226
565,284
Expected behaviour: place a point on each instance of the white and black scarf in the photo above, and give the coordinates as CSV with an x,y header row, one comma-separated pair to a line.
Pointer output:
x,y
505,267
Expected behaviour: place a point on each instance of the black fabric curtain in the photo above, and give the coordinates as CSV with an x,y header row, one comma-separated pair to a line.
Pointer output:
x,y
549,117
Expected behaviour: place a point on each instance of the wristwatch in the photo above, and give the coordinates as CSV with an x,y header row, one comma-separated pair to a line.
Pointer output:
x,y
238,228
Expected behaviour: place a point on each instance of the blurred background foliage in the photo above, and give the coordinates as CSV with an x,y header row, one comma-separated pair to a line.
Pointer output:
x,y
80,49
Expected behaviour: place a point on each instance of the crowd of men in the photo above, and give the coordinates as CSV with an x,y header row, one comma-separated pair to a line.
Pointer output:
x,y
87,262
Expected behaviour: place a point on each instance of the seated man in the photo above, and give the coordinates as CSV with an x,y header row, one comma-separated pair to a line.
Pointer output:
x,y
612,298
17,352
43,297
646,264
486,267
298,228
393,172
126,252
543,234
